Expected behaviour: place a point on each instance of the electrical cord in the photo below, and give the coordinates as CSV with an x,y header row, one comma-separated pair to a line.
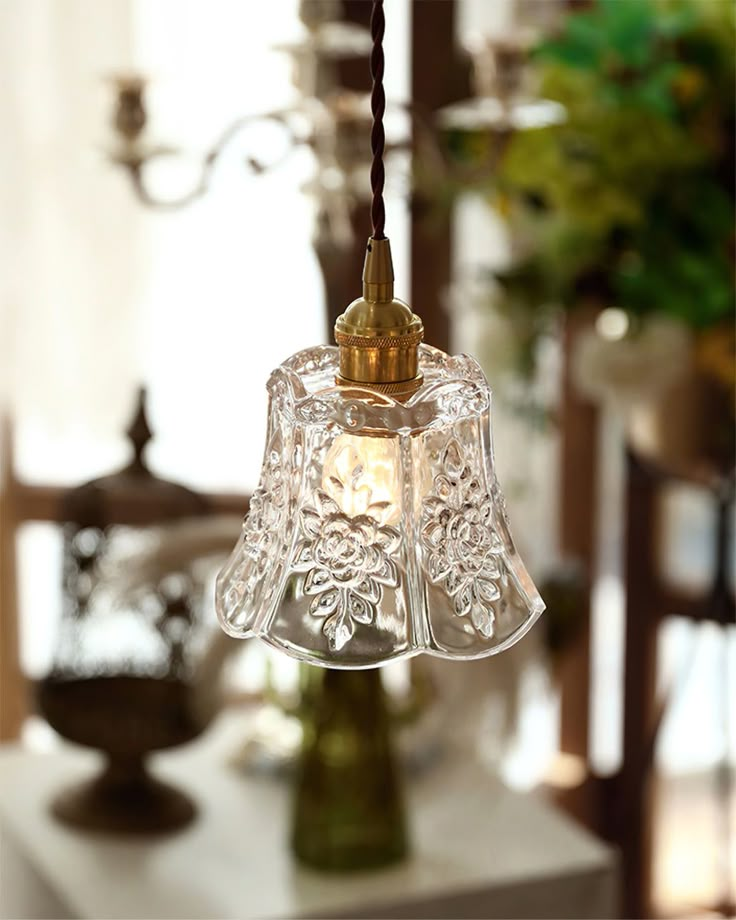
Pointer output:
x,y
378,107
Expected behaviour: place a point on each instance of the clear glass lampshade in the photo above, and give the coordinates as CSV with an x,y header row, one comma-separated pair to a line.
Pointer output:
x,y
378,529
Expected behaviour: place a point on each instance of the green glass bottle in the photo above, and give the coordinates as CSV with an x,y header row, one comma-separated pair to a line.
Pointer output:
x,y
348,810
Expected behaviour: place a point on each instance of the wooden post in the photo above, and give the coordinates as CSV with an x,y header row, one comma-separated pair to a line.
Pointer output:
x,y
578,533
13,692
440,74
635,780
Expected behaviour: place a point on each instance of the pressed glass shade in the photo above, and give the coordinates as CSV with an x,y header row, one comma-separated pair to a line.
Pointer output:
x,y
378,529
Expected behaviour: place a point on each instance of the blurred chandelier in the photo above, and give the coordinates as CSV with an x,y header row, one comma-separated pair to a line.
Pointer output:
x,y
378,529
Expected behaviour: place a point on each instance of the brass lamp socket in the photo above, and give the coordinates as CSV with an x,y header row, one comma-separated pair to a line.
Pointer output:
x,y
378,334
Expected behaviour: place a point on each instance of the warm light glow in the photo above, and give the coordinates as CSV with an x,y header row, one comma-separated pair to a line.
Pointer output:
x,y
361,473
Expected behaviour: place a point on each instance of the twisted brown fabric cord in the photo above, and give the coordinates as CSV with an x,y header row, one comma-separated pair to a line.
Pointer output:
x,y
378,107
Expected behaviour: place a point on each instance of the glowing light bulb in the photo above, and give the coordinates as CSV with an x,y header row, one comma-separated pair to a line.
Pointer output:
x,y
362,475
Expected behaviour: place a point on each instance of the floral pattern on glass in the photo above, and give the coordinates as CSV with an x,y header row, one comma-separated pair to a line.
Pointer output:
x,y
347,561
462,548
261,528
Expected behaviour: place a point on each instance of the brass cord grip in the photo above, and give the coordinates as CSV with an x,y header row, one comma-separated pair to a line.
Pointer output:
x,y
378,334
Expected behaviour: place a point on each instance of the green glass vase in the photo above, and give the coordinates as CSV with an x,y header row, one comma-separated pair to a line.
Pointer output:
x,y
348,808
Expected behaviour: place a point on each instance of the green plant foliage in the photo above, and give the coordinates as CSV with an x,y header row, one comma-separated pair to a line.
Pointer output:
x,y
631,200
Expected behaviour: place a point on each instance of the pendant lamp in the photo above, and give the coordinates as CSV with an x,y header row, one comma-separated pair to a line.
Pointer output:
x,y
378,529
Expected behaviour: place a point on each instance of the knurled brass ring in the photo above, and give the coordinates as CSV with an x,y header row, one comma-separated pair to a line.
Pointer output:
x,y
403,340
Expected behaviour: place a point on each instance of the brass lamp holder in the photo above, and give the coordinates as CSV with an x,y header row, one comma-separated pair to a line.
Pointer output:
x,y
378,334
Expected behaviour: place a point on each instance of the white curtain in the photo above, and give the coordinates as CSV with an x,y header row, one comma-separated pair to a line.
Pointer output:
x,y
71,236
100,295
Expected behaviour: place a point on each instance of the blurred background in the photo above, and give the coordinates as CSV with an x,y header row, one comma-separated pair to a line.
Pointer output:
x,y
560,200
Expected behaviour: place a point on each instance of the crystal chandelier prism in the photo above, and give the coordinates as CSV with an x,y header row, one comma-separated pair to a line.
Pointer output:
x,y
378,529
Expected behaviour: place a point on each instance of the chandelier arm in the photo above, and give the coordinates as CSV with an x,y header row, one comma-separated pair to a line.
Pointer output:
x,y
437,165
209,162
147,198
378,135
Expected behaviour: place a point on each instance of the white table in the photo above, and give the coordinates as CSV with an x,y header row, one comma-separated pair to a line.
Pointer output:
x,y
479,851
